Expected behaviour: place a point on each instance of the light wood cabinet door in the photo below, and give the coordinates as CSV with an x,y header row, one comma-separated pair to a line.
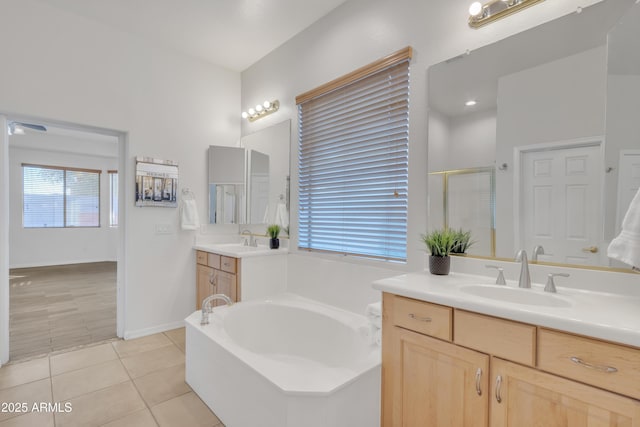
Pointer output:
x,y
225,283
429,382
205,276
525,397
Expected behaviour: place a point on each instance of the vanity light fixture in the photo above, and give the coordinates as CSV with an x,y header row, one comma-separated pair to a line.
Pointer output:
x,y
261,110
483,14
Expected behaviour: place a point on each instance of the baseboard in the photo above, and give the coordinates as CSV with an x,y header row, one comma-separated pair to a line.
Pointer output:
x,y
51,264
128,335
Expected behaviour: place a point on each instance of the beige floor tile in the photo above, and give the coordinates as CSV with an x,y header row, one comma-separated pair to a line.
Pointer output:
x,y
162,385
140,345
82,358
177,336
185,410
101,407
81,381
137,419
30,393
32,419
25,372
145,363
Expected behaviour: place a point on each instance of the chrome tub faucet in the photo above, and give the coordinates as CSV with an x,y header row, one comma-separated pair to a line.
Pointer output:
x,y
207,308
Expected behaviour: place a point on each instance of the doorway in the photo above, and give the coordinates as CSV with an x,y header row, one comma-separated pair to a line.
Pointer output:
x,y
561,201
65,236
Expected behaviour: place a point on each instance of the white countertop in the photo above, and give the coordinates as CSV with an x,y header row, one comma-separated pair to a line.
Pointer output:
x,y
237,250
607,316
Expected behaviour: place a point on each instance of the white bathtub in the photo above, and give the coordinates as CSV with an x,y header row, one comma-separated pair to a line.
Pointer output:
x,y
285,361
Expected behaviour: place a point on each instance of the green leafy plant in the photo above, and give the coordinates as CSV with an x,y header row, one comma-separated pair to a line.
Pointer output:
x,y
462,241
273,231
439,242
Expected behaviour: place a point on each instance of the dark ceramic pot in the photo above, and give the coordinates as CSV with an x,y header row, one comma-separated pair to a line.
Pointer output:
x,y
274,243
439,265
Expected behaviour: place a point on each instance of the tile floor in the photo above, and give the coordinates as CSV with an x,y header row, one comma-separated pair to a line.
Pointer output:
x,y
58,307
134,383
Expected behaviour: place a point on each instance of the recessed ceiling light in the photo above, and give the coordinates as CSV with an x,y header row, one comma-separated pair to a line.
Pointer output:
x,y
470,103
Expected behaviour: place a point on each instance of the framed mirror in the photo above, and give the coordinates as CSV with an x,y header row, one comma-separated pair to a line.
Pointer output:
x,y
250,184
538,109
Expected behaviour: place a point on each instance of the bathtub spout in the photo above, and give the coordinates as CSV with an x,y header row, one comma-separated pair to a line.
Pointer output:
x,y
206,306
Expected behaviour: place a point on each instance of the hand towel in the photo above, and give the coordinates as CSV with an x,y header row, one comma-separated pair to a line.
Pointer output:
x,y
374,314
626,247
189,219
282,217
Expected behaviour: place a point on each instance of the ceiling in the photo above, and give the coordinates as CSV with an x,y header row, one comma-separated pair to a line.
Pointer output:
x,y
231,33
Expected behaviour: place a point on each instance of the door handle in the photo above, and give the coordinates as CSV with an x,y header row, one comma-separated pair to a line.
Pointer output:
x,y
592,249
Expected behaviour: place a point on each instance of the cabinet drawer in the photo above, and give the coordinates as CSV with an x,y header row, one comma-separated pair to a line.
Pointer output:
x,y
213,260
609,366
503,338
420,316
228,264
201,257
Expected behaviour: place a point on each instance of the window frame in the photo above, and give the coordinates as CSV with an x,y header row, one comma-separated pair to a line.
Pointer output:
x,y
389,251
65,169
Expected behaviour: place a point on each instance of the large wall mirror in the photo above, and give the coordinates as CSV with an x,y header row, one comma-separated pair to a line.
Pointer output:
x,y
250,184
549,155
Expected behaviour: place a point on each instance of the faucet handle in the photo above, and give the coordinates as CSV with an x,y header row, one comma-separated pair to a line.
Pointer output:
x,y
551,285
500,279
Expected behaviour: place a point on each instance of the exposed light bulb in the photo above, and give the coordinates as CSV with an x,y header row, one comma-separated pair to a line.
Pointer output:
x,y
475,9
266,104
18,131
258,108
252,111
245,114
470,103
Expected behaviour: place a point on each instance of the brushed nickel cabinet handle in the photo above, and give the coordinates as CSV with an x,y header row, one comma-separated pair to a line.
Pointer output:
x,y
601,368
592,249
419,318
498,386
478,377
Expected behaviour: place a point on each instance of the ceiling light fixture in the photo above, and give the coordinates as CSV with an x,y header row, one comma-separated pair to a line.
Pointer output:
x,y
261,110
470,103
483,14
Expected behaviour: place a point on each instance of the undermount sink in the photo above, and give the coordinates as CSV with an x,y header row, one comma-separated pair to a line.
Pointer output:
x,y
515,295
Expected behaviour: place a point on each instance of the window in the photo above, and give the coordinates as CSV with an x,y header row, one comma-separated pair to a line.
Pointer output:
x,y
353,162
113,198
60,197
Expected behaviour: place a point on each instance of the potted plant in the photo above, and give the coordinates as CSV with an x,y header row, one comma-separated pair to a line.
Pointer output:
x,y
439,243
461,241
274,231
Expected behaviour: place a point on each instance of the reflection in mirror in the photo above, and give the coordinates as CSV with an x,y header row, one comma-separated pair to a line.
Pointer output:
x,y
258,207
539,123
226,180
272,200
465,199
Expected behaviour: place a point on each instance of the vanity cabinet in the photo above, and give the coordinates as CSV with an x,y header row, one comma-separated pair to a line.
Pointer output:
x,y
446,367
216,274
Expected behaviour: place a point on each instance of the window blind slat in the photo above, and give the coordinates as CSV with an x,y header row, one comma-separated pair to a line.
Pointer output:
x,y
353,167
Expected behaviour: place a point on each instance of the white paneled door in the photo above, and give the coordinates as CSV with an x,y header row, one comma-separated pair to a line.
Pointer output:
x,y
561,207
628,182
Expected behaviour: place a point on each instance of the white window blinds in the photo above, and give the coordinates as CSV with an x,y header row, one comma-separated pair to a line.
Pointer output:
x,y
353,165
60,197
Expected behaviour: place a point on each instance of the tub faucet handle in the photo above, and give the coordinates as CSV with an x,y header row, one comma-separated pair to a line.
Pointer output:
x,y
500,279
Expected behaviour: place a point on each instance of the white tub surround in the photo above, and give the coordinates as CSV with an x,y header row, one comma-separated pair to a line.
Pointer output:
x,y
294,361
606,315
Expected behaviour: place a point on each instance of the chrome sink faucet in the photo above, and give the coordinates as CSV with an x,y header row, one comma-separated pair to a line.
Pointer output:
x,y
525,277
252,240
206,306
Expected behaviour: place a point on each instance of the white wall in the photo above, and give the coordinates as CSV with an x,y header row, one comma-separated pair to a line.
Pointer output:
x,y
53,246
67,68
623,132
565,100
360,32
